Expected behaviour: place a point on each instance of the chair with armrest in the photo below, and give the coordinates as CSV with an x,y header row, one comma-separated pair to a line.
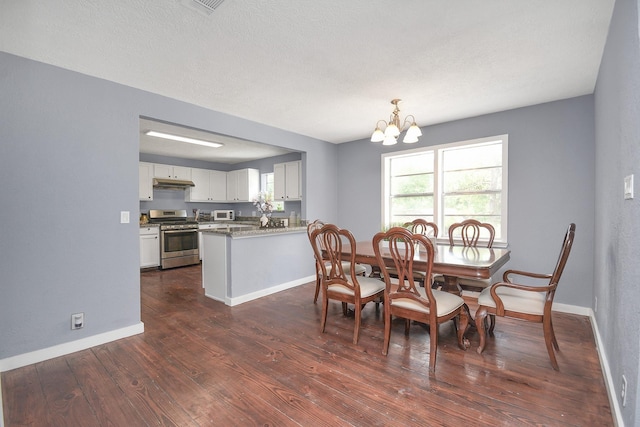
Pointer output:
x,y
525,302
360,269
418,226
338,282
402,298
470,233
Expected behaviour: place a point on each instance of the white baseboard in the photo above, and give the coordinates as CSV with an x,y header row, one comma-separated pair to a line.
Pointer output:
x,y
272,290
25,359
606,372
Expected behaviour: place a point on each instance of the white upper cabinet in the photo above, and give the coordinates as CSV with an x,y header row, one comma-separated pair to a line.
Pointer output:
x,y
145,181
210,186
168,171
243,185
287,181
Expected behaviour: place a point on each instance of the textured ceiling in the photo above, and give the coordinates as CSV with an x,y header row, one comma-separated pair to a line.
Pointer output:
x,y
324,69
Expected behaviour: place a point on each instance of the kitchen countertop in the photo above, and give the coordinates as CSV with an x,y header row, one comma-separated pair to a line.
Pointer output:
x,y
253,231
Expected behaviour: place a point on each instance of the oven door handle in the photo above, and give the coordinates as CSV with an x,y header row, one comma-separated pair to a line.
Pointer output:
x,y
187,230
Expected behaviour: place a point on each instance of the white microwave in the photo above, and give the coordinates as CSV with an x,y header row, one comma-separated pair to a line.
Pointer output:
x,y
223,215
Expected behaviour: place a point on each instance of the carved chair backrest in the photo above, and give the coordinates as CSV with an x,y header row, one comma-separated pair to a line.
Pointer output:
x,y
469,232
328,246
402,246
422,226
562,259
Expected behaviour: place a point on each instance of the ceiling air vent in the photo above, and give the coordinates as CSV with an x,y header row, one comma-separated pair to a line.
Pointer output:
x,y
206,7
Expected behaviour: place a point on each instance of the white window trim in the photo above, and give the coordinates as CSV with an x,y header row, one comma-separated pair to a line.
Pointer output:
x,y
437,149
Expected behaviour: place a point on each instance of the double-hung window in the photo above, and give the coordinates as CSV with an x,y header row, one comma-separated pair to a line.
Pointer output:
x,y
447,184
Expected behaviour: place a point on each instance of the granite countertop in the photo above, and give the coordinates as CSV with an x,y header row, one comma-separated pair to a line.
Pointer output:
x,y
149,225
254,231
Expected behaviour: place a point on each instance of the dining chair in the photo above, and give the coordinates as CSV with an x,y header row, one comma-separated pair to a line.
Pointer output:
x,y
426,228
360,269
525,302
338,282
402,298
470,233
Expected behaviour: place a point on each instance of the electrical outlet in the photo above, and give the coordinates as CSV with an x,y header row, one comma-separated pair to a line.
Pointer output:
x,y
623,391
77,320
628,187
124,217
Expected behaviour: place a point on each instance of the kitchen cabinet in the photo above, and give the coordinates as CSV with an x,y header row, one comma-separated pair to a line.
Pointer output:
x,y
149,247
175,172
287,181
145,181
243,185
210,186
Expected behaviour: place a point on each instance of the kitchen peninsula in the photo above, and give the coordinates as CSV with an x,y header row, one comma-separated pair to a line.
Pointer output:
x,y
240,264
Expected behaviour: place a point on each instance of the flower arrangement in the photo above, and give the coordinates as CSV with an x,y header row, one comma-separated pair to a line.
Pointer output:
x,y
263,204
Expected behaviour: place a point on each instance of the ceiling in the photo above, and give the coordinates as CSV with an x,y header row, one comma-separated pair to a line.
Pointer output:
x,y
325,69
233,150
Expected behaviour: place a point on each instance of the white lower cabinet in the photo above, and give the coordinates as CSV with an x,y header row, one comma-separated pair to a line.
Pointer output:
x,y
149,247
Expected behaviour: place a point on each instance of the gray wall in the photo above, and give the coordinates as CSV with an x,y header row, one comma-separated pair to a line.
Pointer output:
x,y
551,184
617,268
69,165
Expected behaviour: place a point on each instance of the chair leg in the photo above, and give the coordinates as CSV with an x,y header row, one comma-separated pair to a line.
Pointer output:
x,y
407,326
345,309
387,331
481,314
315,298
492,323
356,329
325,308
549,337
463,343
433,347
555,342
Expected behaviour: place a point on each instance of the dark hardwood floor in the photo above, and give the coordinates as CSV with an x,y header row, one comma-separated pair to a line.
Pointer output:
x,y
265,362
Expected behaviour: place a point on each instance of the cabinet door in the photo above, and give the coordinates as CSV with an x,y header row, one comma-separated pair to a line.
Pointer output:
x,y
182,172
149,250
202,191
162,171
292,181
218,186
279,177
145,181
232,186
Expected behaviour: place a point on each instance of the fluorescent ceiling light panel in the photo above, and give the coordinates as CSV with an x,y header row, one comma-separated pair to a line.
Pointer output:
x,y
183,139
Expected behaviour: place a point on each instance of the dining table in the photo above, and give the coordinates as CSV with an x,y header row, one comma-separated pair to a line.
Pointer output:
x,y
450,261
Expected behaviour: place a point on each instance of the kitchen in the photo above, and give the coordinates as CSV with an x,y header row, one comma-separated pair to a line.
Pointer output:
x,y
188,192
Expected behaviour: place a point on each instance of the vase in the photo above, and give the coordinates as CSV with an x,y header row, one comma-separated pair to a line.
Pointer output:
x,y
264,220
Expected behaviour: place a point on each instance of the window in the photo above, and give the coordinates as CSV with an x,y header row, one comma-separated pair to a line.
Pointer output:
x,y
266,186
447,184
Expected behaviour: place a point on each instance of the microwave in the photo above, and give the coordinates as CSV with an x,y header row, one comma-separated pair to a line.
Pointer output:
x,y
223,215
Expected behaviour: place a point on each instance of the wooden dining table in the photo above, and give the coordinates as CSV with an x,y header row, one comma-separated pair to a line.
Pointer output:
x,y
450,261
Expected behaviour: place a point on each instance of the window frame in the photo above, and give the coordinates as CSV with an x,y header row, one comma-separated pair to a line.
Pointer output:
x,y
438,194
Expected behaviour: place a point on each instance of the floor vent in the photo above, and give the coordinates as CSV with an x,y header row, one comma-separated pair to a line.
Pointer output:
x,y
205,7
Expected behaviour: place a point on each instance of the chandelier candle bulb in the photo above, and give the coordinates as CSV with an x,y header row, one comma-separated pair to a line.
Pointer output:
x,y
393,129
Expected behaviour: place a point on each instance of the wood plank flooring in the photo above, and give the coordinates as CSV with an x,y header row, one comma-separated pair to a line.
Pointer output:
x,y
265,362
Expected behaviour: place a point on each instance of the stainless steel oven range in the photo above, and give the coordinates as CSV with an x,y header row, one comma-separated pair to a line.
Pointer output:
x,y
178,237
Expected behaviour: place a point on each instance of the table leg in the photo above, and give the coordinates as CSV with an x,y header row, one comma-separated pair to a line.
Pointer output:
x,y
452,286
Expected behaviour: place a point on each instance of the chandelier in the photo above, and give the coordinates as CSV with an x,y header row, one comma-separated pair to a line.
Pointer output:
x,y
392,128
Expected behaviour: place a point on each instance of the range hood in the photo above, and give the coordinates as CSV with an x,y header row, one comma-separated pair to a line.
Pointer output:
x,y
172,184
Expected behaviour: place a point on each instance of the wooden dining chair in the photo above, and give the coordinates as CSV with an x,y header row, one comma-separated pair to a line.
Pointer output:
x,y
402,298
470,233
338,282
426,228
525,302
360,269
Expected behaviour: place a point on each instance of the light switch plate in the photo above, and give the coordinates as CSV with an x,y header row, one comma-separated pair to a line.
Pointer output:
x,y
628,187
124,217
